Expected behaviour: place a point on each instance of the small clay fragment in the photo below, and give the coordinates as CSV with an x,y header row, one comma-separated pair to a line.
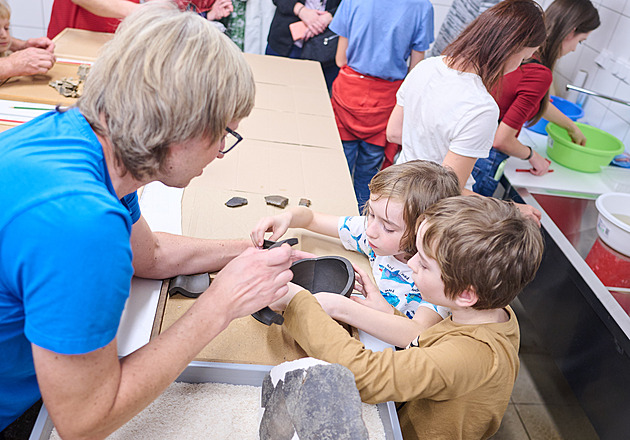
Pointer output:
x,y
305,202
279,201
235,202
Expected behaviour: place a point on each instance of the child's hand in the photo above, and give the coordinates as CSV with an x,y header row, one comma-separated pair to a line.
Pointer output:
x,y
281,304
373,298
278,224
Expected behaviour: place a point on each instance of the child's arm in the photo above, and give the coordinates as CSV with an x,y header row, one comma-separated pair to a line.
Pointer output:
x,y
388,375
296,217
393,329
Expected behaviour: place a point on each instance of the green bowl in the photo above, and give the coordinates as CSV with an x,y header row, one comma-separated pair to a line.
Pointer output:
x,y
600,148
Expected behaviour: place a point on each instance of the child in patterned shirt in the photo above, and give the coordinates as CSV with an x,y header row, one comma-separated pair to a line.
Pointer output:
x,y
386,234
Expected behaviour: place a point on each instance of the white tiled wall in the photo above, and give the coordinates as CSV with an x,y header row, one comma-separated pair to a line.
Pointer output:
x,y
30,19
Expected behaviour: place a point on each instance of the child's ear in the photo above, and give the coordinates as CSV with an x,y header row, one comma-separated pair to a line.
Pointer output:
x,y
467,298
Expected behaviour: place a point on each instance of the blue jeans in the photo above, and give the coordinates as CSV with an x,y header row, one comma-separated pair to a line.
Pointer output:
x,y
484,171
364,160
330,72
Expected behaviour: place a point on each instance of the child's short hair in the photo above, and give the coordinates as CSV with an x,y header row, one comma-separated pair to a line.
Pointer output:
x,y
5,10
417,184
484,244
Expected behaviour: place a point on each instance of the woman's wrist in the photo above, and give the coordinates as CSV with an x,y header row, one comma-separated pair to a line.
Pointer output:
x,y
531,153
299,7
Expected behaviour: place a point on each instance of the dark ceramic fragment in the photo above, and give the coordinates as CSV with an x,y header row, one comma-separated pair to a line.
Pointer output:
x,y
190,286
320,403
328,406
276,422
279,201
324,274
304,202
235,202
269,244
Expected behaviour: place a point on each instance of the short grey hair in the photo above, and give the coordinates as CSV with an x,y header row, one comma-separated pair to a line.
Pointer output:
x,y
166,77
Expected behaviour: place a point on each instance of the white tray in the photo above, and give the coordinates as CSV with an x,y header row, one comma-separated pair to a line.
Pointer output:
x,y
234,374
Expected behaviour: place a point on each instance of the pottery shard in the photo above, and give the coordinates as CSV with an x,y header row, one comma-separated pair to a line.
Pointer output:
x,y
276,423
320,403
328,406
236,202
279,201
304,202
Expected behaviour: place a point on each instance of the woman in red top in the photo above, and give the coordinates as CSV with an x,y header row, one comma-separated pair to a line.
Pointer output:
x,y
523,95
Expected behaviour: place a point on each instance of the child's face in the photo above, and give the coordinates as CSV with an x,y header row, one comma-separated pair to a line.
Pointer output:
x,y
426,274
5,36
385,226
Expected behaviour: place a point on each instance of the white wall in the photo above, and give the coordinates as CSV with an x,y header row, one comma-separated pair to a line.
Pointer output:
x,y
30,19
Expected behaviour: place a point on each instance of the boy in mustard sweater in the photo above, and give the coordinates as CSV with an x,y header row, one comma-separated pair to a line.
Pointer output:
x,y
475,254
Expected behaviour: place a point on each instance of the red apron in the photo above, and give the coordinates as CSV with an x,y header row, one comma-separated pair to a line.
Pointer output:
x,y
362,106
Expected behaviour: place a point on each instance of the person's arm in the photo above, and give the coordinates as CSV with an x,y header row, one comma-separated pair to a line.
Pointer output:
x,y
296,217
414,59
108,8
91,395
505,141
340,57
388,375
395,125
220,9
41,43
394,329
552,114
159,255
461,165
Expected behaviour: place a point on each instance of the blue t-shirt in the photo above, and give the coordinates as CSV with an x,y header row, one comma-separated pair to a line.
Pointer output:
x,y
65,254
382,33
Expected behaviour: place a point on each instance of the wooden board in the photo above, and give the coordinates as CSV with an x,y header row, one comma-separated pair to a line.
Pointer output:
x,y
35,88
6,125
79,44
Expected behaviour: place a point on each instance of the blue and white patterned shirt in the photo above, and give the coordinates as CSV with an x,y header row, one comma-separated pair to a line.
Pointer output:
x,y
393,277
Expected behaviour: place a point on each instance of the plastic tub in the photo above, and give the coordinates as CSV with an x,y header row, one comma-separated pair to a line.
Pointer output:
x,y
572,110
613,222
600,148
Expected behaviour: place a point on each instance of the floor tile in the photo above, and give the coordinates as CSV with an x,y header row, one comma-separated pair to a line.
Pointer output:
x,y
555,422
511,426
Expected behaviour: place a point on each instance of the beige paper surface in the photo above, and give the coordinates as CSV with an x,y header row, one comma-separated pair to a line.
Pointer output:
x,y
35,88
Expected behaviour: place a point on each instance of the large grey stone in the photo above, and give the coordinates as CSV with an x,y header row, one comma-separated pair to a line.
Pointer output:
x,y
321,402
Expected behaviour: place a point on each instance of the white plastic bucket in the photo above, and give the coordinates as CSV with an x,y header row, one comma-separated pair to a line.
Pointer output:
x,y
613,222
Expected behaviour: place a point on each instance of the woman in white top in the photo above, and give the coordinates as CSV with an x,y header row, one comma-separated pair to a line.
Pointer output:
x,y
444,112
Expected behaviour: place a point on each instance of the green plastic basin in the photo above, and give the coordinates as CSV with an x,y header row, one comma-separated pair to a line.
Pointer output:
x,y
600,148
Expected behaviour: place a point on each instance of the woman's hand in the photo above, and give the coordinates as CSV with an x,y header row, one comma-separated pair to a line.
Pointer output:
x,y
576,135
372,295
539,164
220,9
313,20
